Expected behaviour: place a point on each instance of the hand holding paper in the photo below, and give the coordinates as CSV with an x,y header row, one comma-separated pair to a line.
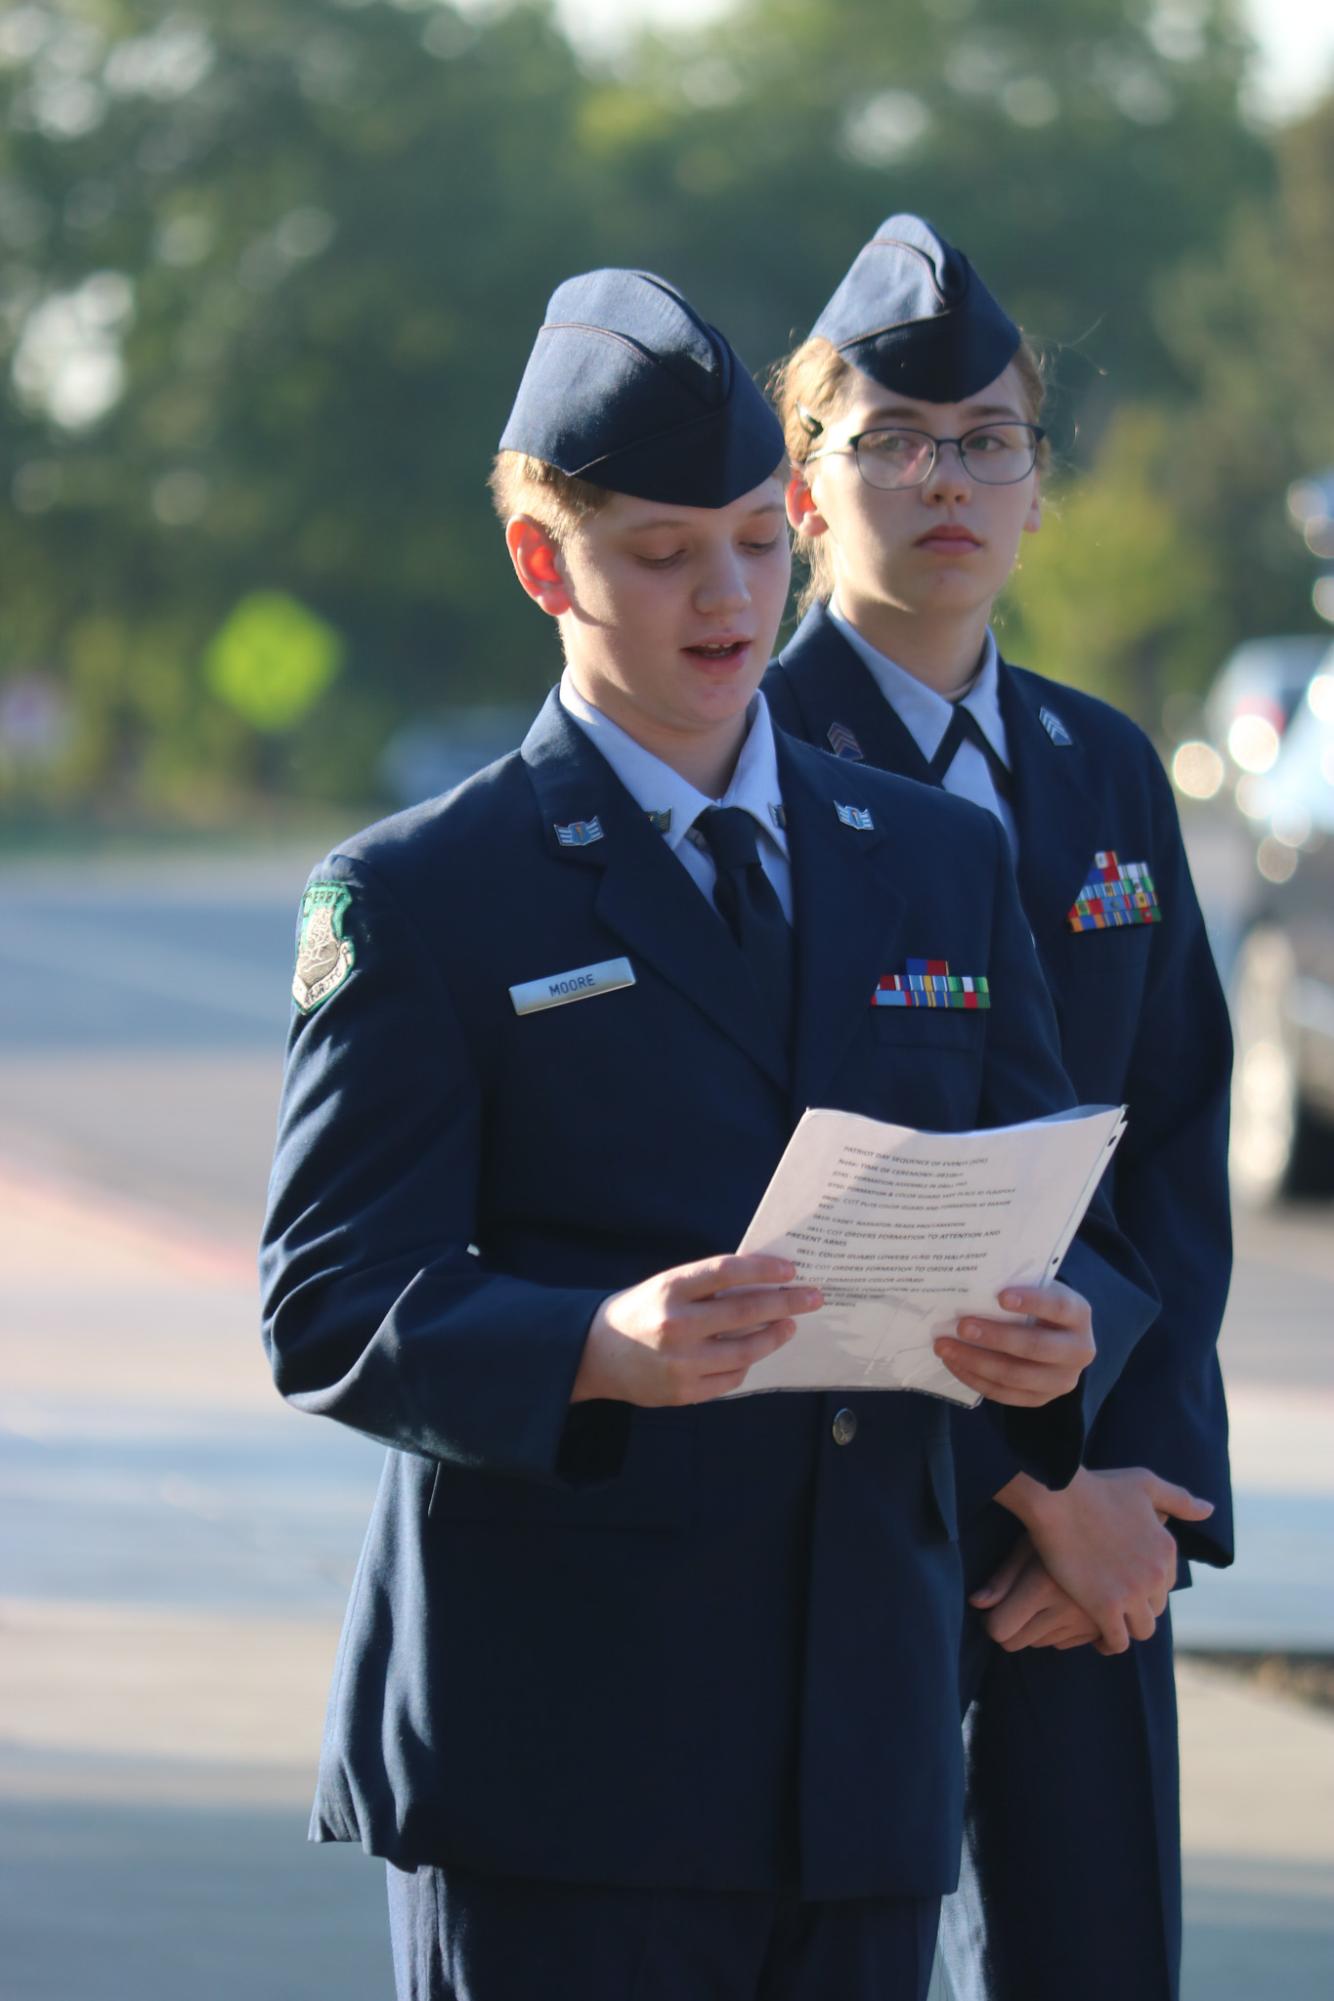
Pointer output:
x,y
1028,1363
907,1233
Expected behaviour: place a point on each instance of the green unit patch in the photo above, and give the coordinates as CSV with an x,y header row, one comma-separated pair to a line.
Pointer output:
x,y
324,957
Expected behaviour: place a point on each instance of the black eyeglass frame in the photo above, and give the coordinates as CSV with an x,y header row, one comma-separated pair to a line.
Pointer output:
x,y
1035,431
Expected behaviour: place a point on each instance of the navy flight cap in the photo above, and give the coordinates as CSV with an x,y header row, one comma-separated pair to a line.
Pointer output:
x,y
914,314
627,387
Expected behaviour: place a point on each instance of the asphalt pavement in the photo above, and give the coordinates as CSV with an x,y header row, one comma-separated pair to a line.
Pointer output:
x,y
176,1544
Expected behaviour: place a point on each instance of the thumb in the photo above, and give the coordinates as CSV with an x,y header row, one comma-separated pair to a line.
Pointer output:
x,y
1180,1503
1002,1580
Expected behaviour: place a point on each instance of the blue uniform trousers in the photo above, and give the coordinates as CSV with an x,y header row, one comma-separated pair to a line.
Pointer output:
x,y
459,1936
1072,1875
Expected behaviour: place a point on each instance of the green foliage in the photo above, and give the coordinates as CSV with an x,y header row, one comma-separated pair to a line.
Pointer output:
x,y
269,272
1115,594
1252,329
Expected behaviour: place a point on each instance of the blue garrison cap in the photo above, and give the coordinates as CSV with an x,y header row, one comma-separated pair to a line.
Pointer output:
x,y
627,387
914,314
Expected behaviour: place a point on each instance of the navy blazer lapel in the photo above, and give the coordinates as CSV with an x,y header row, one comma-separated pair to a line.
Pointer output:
x,y
831,684
645,895
847,911
1055,804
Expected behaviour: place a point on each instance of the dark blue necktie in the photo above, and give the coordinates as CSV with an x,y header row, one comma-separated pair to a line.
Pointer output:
x,y
965,728
748,904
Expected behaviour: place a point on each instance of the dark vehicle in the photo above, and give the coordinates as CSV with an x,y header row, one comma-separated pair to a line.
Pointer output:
x,y
1283,978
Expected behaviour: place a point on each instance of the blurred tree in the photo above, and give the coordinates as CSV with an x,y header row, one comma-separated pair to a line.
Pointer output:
x,y
269,271
272,277
1077,148
1116,594
1253,332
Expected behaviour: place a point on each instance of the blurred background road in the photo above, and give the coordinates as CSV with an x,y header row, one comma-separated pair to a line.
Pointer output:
x,y
177,1545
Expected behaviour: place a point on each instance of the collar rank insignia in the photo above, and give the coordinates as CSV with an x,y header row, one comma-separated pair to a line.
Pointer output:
x,y
579,833
778,814
844,744
661,823
930,983
324,957
1055,728
856,816
1116,893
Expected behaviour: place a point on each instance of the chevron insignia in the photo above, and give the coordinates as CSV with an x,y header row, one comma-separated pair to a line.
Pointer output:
x,y
1116,893
930,983
856,816
1055,728
844,744
579,833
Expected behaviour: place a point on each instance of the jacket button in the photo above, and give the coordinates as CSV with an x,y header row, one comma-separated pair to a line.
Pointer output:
x,y
844,1427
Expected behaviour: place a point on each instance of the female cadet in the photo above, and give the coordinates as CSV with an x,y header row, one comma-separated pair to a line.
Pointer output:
x,y
912,419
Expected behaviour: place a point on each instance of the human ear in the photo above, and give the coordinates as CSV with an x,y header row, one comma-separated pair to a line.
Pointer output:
x,y
537,565
1033,518
802,512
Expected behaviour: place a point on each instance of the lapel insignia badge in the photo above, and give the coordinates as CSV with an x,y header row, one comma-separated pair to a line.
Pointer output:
x,y
844,744
930,983
661,823
1055,728
856,816
579,833
1116,893
778,814
324,957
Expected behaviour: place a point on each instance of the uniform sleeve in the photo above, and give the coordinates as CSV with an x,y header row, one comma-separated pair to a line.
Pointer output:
x,y
375,1310
1023,1080
1166,1410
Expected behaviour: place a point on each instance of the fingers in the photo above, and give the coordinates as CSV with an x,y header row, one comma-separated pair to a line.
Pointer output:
x,y
710,1275
1026,1341
1053,1626
1010,1379
1178,1502
1029,1362
690,1334
1113,1637
735,1313
1005,1577
1140,1622
729,1354
1035,1592
1054,1304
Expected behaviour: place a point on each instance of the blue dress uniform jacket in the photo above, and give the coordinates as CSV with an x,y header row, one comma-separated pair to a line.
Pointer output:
x,y
1142,1021
700,1648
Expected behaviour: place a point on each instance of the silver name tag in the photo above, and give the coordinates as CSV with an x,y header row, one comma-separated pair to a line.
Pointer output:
x,y
578,985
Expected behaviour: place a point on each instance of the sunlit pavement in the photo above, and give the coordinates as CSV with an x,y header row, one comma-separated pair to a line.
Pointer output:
x,y
175,1545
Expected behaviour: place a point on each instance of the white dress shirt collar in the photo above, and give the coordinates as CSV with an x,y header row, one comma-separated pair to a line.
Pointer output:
x,y
924,713
664,792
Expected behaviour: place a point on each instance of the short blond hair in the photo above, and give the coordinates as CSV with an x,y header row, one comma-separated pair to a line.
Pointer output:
x,y
557,500
815,379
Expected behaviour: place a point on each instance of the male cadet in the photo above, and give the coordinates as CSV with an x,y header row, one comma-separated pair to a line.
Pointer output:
x,y
644,1693
913,415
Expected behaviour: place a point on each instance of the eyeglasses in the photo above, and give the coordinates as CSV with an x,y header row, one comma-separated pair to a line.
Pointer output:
x,y
995,454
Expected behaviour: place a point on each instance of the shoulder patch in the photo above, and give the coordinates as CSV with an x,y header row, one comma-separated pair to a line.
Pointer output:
x,y
324,957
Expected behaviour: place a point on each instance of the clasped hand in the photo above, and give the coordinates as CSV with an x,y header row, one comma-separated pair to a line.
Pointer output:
x,y
1096,1565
